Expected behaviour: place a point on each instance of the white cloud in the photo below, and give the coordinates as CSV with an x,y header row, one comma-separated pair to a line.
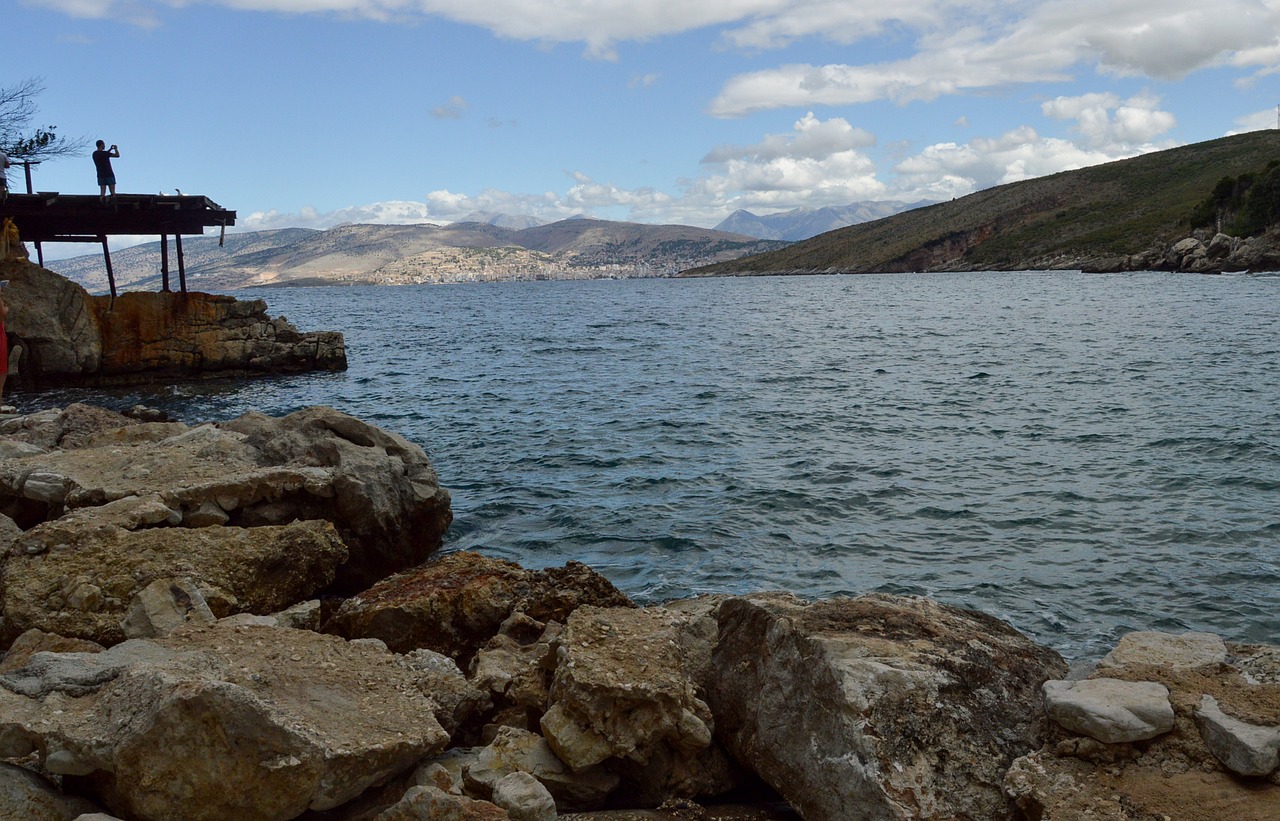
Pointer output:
x,y
394,212
819,162
1257,121
1111,125
452,109
812,139
960,47
947,170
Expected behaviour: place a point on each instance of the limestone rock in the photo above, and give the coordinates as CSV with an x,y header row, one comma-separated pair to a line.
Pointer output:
x,y
457,699
524,798
1177,775
624,692
879,706
457,603
381,491
514,750
302,616
55,320
1222,245
150,335
83,587
1244,748
160,729
163,606
25,796
378,489
69,337
516,667
9,532
1110,710
68,428
1170,650
1186,253
447,771
428,802
38,641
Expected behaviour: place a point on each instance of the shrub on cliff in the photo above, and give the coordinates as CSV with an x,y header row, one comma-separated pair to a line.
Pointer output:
x,y
1243,206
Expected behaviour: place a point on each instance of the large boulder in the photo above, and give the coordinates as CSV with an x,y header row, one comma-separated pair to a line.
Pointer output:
x,y
515,669
249,722
378,489
70,337
25,796
80,582
1217,760
626,693
381,490
147,336
455,604
878,707
55,321
518,751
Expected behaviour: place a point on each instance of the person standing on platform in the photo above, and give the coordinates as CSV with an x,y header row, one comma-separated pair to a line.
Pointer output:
x,y
106,176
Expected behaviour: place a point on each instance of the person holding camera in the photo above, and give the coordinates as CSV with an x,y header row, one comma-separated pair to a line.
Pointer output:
x,y
106,176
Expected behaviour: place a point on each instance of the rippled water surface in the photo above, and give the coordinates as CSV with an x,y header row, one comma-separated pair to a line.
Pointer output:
x,y
1080,455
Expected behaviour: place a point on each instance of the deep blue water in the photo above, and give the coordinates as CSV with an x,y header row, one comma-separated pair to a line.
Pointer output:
x,y
1081,455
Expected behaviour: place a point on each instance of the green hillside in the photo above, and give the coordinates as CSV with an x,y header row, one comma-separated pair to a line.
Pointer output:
x,y
1093,218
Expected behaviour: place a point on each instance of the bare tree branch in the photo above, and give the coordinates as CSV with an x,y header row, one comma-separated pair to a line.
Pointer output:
x,y
18,138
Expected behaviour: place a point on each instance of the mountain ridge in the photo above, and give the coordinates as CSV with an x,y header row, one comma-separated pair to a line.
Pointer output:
x,y
804,223
1121,215
423,253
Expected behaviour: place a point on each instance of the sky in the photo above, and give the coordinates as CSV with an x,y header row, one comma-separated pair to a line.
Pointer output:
x,y
313,113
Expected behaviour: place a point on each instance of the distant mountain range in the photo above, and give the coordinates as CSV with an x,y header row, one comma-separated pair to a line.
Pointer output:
x,y
1117,216
406,254
803,223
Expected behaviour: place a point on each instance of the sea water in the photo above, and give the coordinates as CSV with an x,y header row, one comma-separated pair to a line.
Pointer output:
x,y
1080,455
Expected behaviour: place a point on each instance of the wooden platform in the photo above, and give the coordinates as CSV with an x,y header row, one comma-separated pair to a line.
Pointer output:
x,y
52,217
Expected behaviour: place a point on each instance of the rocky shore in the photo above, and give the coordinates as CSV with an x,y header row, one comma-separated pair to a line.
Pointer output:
x,y
59,334
1202,252
252,620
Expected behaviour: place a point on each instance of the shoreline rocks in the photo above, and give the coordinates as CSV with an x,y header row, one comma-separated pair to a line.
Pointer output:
x,y
245,621
60,335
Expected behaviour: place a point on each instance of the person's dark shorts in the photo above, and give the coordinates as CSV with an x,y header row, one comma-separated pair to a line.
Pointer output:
x,y
110,179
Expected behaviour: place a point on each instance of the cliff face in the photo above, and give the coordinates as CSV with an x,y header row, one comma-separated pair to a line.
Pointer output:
x,y
62,335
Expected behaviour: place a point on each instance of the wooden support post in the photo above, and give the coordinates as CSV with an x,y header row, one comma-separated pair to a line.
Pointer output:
x,y
164,263
182,266
111,277
40,253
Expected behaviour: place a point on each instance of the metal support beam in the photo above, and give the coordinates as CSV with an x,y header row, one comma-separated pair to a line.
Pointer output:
x,y
164,263
111,277
182,267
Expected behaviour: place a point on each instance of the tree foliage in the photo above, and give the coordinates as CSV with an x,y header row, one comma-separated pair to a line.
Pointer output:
x,y
1244,206
18,137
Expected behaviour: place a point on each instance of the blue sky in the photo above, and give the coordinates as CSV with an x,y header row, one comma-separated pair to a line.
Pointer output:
x,y
317,112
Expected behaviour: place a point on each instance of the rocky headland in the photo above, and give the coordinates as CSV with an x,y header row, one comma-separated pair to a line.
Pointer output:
x,y
59,334
1138,214
251,620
